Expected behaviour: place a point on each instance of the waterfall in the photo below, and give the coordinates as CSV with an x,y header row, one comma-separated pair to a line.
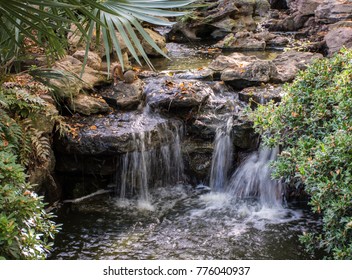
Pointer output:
x,y
253,179
222,157
148,165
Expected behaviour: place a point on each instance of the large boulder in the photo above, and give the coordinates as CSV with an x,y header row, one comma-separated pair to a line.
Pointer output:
x,y
338,37
241,71
289,63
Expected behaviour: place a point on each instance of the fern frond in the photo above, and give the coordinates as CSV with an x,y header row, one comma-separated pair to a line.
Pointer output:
x,y
25,148
40,145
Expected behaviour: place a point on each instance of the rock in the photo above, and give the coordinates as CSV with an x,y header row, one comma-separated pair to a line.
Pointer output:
x,y
93,59
218,19
261,8
204,74
278,4
158,39
289,63
88,105
46,122
176,95
75,42
241,71
337,38
42,177
125,96
92,165
197,155
261,95
277,42
242,41
244,136
72,84
333,11
293,22
308,7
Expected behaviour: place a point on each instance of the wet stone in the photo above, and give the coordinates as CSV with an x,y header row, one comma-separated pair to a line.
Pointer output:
x,y
261,95
125,96
112,134
170,94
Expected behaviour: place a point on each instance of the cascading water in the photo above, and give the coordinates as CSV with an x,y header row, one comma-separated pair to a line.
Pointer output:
x,y
222,157
253,179
151,166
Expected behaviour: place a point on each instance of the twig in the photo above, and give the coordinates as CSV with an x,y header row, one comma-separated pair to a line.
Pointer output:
x,y
80,199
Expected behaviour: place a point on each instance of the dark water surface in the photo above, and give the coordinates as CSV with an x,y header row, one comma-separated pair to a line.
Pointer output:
x,y
180,223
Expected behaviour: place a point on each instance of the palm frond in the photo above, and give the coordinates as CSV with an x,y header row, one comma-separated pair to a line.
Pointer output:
x,y
46,23
125,16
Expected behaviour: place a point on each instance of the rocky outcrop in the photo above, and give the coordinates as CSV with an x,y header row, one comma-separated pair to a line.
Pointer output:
x,y
197,155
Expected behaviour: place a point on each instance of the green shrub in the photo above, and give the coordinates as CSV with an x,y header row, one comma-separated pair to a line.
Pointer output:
x,y
313,127
25,228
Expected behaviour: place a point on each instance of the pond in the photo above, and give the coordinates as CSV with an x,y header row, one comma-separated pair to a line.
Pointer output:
x,y
182,223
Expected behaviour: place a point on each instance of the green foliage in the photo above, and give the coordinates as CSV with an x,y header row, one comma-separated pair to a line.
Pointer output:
x,y
25,228
313,125
16,128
